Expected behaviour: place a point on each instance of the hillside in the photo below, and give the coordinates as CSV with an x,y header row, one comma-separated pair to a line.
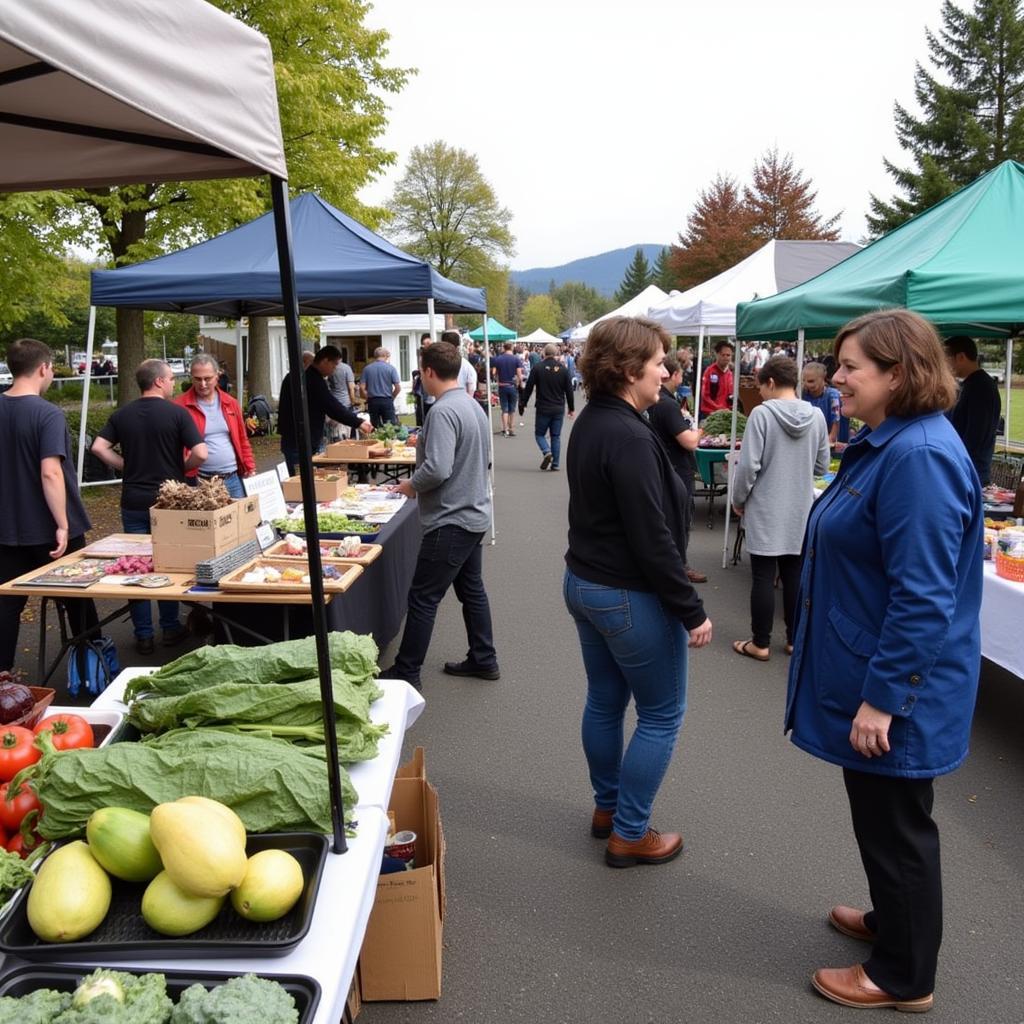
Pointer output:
x,y
603,273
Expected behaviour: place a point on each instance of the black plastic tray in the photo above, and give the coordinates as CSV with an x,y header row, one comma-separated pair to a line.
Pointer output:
x,y
25,978
124,935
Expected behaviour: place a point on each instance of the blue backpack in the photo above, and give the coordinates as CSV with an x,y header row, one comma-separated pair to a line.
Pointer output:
x,y
92,664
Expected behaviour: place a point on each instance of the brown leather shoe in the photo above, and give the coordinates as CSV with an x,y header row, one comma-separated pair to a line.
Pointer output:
x,y
601,823
654,848
850,921
695,577
850,986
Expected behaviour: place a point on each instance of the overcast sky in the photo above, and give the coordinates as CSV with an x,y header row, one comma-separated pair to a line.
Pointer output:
x,y
598,122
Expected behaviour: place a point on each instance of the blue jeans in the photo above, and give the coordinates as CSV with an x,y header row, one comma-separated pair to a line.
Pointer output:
x,y
631,648
544,424
232,481
137,521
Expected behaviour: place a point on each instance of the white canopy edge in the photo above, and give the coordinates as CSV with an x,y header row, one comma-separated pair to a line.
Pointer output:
x,y
93,80
636,306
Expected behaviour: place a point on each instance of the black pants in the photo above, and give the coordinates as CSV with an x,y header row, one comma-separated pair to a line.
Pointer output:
x,y
899,846
381,410
449,556
14,562
762,595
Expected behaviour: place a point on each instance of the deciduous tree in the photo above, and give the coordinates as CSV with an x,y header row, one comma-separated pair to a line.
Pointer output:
x,y
780,202
580,303
541,311
971,102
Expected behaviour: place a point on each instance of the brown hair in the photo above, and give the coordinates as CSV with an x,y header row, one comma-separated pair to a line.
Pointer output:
x,y
26,355
149,371
891,337
617,349
780,369
443,358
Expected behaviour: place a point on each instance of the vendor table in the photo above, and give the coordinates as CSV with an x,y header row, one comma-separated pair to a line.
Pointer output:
x,y
1002,612
392,466
182,589
348,886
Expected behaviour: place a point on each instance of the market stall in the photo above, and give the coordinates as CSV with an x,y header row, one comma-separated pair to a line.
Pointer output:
x,y
1002,612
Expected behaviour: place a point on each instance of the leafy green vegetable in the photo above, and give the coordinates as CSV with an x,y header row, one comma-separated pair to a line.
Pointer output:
x,y
273,785
329,522
40,1007
720,422
352,656
144,1000
14,873
239,1001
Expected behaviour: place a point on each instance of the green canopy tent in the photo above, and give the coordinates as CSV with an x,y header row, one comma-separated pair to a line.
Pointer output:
x,y
494,331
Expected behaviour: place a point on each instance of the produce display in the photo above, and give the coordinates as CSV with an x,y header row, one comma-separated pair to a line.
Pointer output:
x,y
67,731
330,522
16,700
14,873
264,571
718,429
208,496
131,565
117,997
295,547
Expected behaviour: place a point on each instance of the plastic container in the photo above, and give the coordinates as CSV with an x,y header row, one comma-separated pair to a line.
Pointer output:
x,y
124,935
107,725
19,979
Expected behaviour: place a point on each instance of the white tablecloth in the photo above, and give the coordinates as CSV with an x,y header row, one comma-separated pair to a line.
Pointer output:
x,y
1002,621
349,882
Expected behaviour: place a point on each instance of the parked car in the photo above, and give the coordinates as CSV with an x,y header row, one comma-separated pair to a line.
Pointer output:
x,y
177,367
6,377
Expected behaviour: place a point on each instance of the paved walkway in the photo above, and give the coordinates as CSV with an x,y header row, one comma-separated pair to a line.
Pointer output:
x,y
540,930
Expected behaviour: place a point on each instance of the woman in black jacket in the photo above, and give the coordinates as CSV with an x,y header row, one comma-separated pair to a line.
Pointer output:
x,y
626,586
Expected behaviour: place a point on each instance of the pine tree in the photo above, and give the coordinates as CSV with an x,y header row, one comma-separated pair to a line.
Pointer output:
x,y
781,204
972,109
662,273
718,234
638,277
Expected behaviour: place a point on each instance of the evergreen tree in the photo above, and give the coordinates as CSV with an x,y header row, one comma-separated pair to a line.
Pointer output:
x,y
972,109
781,204
718,234
662,273
638,277
580,303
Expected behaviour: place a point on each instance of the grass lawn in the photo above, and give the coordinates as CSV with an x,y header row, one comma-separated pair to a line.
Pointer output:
x,y
1016,413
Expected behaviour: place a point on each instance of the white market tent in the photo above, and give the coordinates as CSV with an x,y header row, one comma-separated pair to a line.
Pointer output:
x,y
637,306
539,337
102,92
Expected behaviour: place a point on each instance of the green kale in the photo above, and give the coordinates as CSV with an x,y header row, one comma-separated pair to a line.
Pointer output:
x,y
39,1007
116,997
14,873
238,1001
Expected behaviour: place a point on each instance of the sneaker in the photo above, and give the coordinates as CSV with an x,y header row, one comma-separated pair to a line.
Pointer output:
x,y
545,463
467,668
554,469
144,644
511,433
504,433
174,636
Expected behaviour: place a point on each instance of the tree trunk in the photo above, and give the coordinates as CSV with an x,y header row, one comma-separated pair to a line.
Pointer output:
x,y
259,359
131,350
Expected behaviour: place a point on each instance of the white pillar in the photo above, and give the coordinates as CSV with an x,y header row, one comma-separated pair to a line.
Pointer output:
x,y
490,419
1007,382
732,448
90,338
697,375
800,362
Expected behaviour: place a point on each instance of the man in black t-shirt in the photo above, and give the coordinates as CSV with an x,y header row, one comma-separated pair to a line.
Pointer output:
x,y
679,435
41,511
975,417
153,434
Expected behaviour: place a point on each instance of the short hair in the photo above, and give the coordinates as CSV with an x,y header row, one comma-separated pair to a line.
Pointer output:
x,y
818,368
780,369
891,337
672,363
426,336
550,350
149,371
379,353
452,337
203,359
961,344
616,349
507,346
724,343
443,358
26,355
329,353
307,358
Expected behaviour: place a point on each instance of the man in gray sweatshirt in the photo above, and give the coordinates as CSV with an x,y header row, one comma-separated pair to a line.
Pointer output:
x,y
453,489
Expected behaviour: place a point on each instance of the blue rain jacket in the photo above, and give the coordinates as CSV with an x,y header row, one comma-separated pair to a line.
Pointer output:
x,y
890,593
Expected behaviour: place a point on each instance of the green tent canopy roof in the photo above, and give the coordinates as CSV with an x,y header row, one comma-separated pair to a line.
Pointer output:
x,y
495,332
960,264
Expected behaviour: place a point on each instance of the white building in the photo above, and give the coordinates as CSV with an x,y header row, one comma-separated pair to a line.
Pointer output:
x,y
356,336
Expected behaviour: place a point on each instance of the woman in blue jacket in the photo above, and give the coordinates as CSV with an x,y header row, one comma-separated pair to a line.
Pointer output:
x,y
887,646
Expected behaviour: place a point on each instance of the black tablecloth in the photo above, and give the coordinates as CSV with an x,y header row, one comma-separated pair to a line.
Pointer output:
x,y
374,604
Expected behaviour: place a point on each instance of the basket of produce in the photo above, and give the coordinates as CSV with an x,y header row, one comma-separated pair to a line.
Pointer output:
x,y
185,881
44,992
287,576
334,525
1009,567
22,705
348,549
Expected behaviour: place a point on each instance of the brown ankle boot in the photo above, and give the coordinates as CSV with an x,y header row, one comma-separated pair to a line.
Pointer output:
x,y
601,823
654,848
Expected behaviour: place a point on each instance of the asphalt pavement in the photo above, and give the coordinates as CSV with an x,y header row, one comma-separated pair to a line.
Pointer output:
x,y
539,929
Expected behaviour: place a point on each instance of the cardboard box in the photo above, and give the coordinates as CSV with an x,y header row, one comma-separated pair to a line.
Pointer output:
x,y
353,1004
326,490
401,955
354,448
182,538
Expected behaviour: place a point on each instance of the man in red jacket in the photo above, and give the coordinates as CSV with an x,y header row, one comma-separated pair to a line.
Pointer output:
x,y
716,384
221,421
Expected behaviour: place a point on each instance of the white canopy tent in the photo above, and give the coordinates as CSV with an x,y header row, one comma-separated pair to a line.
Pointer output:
x,y
539,337
637,306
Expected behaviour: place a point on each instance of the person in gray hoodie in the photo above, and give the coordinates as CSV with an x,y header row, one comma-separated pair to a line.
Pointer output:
x,y
785,445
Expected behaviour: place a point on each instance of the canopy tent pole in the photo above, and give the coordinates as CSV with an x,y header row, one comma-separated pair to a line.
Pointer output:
x,y
240,365
800,362
697,375
490,421
430,315
90,338
732,449
1008,381
300,416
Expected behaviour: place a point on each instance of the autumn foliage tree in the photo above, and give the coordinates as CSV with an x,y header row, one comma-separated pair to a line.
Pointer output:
x,y
780,202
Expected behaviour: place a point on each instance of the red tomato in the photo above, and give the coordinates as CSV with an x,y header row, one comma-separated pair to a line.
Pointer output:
x,y
17,751
3,838
14,809
69,731
16,844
